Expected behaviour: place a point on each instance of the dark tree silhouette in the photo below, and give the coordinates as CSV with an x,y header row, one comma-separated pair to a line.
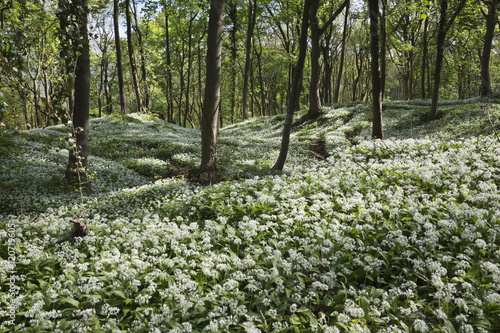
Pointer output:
x,y
211,101
77,163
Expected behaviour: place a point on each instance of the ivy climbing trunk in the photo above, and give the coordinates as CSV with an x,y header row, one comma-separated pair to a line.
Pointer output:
x,y
77,163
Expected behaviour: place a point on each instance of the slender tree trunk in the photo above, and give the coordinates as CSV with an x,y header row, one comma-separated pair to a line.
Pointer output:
x,y
170,99
109,102
67,52
359,69
144,77
211,103
425,53
293,99
181,80
316,35
444,25
342,55
101,83
133,66
491,20
263,107
47,95
377,131
233,16
314,87
99,93
439,58
77,163
190,62
119,67
200,81
24,97
252,96
248,52
383,48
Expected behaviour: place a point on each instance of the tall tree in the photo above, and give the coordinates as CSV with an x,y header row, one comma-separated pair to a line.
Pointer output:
x,y
119,67
190,63
252,14
170,98
377,131
293,97
383,48
342,56
77,163
491,21
444,26
233,17
317,32
67,51
425,51
131,55
144,77
211,101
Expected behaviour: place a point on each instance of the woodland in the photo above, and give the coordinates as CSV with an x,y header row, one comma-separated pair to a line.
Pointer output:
x,y
249,166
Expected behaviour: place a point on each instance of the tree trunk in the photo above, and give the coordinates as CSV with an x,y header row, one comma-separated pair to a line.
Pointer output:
x,y
383,48
233,16
181,79
316,35
439,58
342,55
377,131
109,102
24,97
119,67
293,98
47,95
491,20
424,56
314,87
67,52
144,77
190,63
170,100
77,163
101,82
441,37
212,93
133,66
252,12
263,107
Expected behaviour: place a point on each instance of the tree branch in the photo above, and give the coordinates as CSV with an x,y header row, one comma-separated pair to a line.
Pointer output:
x,y
333,17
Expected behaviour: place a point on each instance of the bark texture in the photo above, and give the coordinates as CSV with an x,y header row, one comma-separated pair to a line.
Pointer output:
x,y
133,65
491,21
77,163
293,98
377,131
211,103
119,67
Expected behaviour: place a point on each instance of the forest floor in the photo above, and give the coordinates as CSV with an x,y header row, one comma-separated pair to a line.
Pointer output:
x,y
355,235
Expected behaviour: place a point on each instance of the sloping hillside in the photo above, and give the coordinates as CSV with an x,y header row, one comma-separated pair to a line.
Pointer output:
x,y
355,235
